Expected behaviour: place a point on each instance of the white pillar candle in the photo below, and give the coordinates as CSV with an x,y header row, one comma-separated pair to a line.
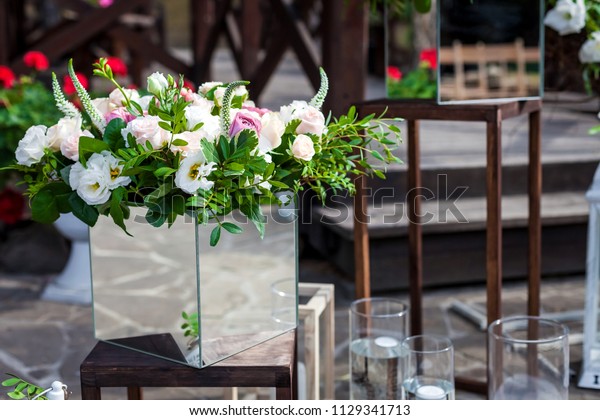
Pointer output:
x,y
430,392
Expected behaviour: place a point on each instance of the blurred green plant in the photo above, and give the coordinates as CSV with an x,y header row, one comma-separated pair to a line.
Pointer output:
x,y
418,84
28,102
21,389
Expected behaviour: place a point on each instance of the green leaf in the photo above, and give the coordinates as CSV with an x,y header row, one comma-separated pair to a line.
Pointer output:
x,y
16,395
278,184
231,228
83,211
179,142
377,155
89,145
209,150
44,208
112,134
164,171
20,387
158,193
165,126
215,235
116,212
155,218
422,6
10,382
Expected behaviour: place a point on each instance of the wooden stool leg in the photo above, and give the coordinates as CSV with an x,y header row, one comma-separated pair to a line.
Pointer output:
x,y
134,393
535,222
415,237
90,393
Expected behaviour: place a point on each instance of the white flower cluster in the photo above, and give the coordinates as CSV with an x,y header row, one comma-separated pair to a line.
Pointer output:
x,y
102,173
568,17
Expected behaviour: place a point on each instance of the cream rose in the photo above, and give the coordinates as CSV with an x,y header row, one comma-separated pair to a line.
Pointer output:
x,y
590,50
117,99
303,147
145,129
312,121
64,129
70,145
272,130
193,142
103,105
32,146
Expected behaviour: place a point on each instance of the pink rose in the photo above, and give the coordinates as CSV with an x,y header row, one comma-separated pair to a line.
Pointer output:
x,y
259,111
312,121
146,129
187,94
244,121
192,138
303,147
70,145
120,112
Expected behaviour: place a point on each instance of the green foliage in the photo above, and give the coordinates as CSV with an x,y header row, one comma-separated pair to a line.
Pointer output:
x,y
21,389
419,83
190,326
27,103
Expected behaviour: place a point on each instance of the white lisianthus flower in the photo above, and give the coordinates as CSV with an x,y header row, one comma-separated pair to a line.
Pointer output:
x,y
303,148
144,102
117,99
146,129
70,146
207,86
115,168
32,146
64,129
192,173
590,50
567,17
271,133
201,114
292,111
157,83
92,184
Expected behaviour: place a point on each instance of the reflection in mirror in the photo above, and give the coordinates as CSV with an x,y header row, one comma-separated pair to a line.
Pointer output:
x,y
410,53
489,49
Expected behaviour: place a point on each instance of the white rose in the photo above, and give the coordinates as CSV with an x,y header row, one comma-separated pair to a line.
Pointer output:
x,y
115,168
193,142
219,93
201,114
157,83
144,102
590,50
104,105
146,129
567,17
192,173
91,183
207,86
117,99
271,132
70,145
292,111
312,121
303,147
202,102
32,146
65,128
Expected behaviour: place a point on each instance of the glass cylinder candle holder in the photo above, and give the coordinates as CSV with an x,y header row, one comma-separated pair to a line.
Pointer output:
x,y
528,359
377,328
428,366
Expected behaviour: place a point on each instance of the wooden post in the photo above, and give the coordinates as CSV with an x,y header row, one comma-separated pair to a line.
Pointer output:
x,y
345,43
4,27
202,15
535,222
251,25
494,217
362,269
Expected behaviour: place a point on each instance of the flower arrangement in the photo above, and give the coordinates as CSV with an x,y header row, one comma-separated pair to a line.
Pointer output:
x,y
419,83
573,16
177,151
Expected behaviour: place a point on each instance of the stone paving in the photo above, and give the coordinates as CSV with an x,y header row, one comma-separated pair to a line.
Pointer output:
x,y
43,341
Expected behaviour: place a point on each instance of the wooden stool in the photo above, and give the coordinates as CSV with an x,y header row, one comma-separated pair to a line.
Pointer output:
x,y
269,364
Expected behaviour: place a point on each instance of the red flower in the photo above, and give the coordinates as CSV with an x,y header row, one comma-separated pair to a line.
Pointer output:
x,y
429,56
68,85
118,67
394,73
189,84
7,77
36,60
12,206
